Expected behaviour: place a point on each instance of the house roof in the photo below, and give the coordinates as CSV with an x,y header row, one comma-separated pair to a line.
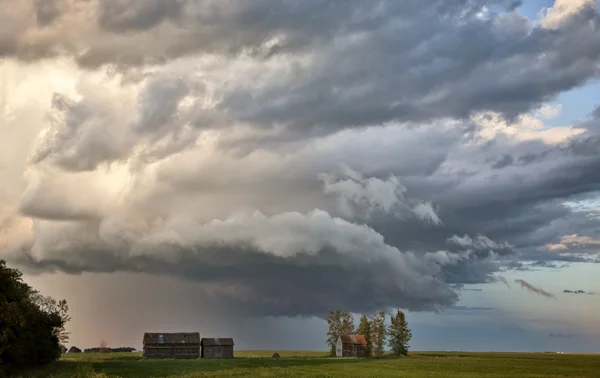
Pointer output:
x,y
172,338
207,341
353,339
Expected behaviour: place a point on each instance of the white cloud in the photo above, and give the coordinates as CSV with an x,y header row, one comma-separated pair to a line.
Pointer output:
x,y
527,128
562,10
548,111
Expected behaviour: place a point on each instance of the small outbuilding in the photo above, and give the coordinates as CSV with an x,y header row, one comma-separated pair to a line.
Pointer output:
x,y
351,346
217,348
172,345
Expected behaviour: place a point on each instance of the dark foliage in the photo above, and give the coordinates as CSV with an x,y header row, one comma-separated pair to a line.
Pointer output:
x,y
105,350
28,324
74,349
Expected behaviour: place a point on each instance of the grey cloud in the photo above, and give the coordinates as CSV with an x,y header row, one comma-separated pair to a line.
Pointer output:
x,y
431,81
361,197
47,11
346,64
158,104
276,183
127,15
79,137
256,270
506,160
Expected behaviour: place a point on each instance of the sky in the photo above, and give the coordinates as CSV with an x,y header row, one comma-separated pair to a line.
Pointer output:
x,y
241,168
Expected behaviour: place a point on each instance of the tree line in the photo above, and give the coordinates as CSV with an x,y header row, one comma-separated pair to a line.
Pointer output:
x,y
32,326
397,334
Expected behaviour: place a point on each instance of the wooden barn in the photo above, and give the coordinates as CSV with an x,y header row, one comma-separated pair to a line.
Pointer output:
x,y
217,348
172,345
351,346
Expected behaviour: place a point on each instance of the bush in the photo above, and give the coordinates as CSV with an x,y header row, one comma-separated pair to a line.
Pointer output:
x,y
28,324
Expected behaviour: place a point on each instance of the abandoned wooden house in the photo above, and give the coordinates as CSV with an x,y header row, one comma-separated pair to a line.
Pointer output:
x,y
217,348
351,346
172,345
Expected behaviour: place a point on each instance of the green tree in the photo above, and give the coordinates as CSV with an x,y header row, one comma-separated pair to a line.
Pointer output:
x,y
63,312
346,324
28,324
399,334
334,321
378,333
364,329
61,308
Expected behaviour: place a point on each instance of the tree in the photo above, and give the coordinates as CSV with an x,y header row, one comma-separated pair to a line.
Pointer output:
x,y
61,308
335,322
399,334
378,332
364,328
74,349
347,324
28,324
63,312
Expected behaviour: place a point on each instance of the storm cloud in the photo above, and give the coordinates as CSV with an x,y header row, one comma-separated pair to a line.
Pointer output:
x,y
295,157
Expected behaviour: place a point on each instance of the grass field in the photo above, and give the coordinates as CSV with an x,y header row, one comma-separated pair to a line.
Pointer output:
x,y
317,364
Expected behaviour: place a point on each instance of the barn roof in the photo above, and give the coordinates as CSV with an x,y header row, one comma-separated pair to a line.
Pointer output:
x,y
353,339
172,338
208,341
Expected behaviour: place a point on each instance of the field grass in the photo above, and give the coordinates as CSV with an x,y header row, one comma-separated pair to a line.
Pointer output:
x,y
317,364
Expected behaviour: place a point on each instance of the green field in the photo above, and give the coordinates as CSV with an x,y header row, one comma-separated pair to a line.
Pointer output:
x,y
316,364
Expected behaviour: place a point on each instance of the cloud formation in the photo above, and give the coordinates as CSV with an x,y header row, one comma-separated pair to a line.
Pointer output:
x,y
294,157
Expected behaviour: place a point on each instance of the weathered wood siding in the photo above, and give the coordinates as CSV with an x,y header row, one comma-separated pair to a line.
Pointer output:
x,y
217,351
172,351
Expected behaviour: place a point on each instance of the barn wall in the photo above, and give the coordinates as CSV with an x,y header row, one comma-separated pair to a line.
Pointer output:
x,y
217,351
172,351
347,350
361,351
187,351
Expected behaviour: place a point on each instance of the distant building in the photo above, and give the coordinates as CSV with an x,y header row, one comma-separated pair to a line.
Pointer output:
x,y
351,346
217,348
171,345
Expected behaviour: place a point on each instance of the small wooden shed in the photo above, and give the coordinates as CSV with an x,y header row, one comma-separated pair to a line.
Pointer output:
x,y
351,346
217,347
172,345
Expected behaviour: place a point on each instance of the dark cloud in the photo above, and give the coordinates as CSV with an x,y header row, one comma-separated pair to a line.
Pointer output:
x,y
251,267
